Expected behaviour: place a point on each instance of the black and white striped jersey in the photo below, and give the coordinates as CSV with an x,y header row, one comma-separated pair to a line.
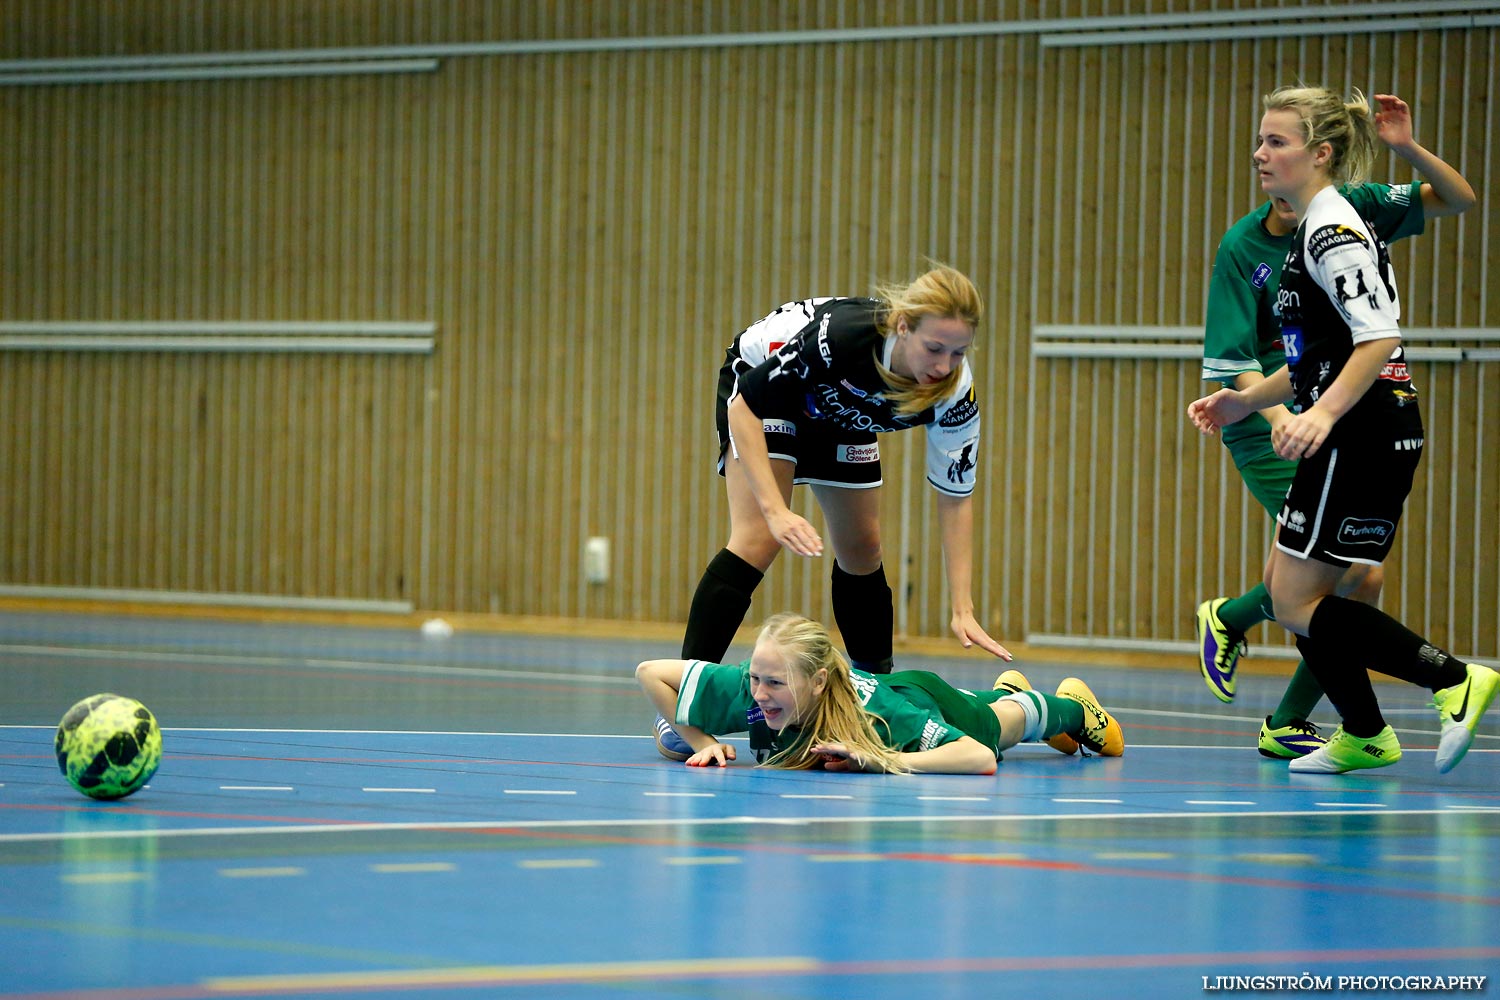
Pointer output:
x,y
816,359
1338,290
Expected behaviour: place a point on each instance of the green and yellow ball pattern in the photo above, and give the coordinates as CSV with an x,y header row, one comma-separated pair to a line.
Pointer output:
x,y
108,746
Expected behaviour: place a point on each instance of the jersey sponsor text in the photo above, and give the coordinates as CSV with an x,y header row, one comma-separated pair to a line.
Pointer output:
x,y
1365,531
858,454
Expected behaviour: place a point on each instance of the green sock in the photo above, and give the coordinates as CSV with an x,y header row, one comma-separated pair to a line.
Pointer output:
x,y
1302,695
1064,715
1248,610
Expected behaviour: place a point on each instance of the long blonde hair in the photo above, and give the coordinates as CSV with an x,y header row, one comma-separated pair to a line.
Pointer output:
x,y
838,716
1347,126
943,292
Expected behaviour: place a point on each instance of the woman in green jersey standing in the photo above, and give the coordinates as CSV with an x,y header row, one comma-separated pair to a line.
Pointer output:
x,y
1242,346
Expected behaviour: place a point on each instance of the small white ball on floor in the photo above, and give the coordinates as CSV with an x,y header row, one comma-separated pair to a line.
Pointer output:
x,y
436,628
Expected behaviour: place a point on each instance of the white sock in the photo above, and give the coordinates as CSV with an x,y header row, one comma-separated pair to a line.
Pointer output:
x,y
1035,708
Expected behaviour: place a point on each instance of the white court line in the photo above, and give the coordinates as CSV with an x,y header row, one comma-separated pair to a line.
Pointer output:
x,y
1241,748
1218,802
287,871
414,732
953,798
320,663
258,788
1351,805
539,791
1102,802
678,823
742,740
792,796
679,795
418,791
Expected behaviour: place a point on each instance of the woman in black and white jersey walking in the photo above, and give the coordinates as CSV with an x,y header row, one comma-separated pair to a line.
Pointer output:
x,y
802,395
1356,433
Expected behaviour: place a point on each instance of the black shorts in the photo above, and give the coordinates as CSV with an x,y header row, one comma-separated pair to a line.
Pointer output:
x,y
822,452
1346,501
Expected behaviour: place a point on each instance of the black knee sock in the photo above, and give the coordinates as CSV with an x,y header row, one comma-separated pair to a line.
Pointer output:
x,y
1371,638
719,606
863,610
1347,686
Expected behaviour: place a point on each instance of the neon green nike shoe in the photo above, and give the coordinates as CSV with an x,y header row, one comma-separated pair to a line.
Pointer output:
x,y
1297,738
1219,649
1460,708
1344,752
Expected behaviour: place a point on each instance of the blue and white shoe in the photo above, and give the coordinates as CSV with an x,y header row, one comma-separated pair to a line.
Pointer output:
x,y
669,744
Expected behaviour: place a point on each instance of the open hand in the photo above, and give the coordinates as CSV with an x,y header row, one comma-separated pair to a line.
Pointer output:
x,y
718,755
969,633
837,757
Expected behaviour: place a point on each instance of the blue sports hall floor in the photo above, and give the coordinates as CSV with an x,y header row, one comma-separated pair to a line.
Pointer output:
x,y
346,811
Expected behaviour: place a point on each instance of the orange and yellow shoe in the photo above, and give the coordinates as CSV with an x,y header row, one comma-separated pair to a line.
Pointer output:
x,y
1013,681
1100,732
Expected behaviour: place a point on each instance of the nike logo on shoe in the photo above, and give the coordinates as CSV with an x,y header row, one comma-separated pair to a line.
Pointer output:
x,y
1464,708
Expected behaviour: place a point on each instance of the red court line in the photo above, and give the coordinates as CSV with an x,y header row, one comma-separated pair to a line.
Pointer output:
x,y
1072,867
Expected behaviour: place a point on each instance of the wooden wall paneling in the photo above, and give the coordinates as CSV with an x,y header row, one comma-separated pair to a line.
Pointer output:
x,y
544,232
1479,515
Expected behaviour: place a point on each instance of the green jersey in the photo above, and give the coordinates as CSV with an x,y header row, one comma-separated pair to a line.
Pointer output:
x,y
1243,330
914,710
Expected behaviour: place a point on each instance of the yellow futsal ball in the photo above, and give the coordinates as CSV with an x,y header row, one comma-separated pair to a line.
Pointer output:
x,y
108,746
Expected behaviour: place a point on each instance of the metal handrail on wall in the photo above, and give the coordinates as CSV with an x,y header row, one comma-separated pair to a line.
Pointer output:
x,y
1165,342
297,336
1259,22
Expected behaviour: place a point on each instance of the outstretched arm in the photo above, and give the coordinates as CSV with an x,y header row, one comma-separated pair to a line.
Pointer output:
x,y
661,680
965,755
1444,191
956,521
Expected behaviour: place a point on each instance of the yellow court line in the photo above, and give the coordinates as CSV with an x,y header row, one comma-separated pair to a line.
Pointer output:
x,y
281,872
1133,856
507,974
561,863
414,866
103,878
1280,859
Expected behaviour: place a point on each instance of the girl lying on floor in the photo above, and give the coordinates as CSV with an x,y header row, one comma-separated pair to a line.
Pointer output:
x,y
820,713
